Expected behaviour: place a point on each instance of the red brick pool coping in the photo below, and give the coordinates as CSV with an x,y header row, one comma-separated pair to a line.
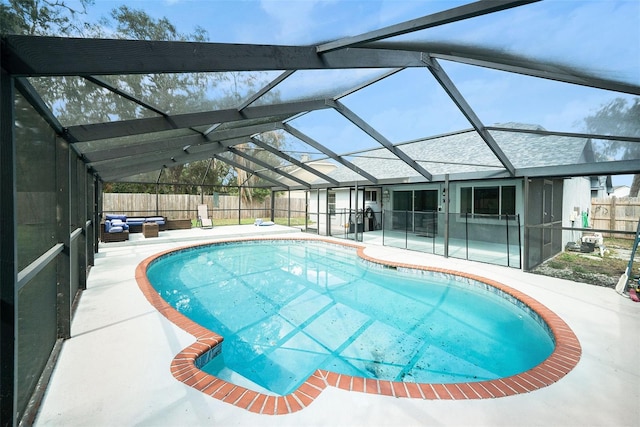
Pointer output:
x,y
184,368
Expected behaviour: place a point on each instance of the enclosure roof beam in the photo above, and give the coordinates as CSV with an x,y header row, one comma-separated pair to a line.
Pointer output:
x,y
585,169
185,143
512,64
122,128
156,160
459,13
248,169
313,143
621,167
163,155
33,97
465,108
37,56
267,166
115,172
100,82
508,62
617,167
568,134
144,149
275,82
368,83
292,160
369,130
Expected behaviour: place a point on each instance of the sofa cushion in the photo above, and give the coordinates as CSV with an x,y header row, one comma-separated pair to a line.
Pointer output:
x,y
117,216
119,223
157,219
115,229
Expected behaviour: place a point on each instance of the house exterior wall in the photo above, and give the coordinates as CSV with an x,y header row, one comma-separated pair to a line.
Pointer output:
x,y
457,227
550,203
345,200
455,189
576,201
493,229
345,204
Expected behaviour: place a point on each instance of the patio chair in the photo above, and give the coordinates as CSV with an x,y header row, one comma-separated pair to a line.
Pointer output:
x,y
203,217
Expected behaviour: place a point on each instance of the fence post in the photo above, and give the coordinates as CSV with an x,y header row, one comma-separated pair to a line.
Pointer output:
x,y
239,205
519,242
406,229
612,215
273,205
506,217
445,200
466,233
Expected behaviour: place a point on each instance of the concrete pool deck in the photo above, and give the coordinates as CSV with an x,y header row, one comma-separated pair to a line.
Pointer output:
x,y
115,370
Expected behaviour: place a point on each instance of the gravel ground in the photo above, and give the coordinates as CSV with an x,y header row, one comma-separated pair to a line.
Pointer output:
x,y
591,278
597,279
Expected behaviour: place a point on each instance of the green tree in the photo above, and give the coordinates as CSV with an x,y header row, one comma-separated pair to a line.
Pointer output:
x,y
234,89
79,99
618,117
75,100
194,92
43,17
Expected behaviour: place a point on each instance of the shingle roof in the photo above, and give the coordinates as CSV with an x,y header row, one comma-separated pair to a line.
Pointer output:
x,y
467,152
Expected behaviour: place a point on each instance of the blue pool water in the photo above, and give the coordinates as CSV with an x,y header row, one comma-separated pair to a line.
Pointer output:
x,y
287,308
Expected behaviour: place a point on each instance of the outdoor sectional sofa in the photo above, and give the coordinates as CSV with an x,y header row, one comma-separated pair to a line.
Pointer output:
x,y
135,224
116,228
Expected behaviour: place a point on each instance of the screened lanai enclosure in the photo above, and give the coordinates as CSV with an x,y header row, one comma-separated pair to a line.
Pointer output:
x,y
432,134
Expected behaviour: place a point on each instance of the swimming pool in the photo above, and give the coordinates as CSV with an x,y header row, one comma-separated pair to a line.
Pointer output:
x,y
385,326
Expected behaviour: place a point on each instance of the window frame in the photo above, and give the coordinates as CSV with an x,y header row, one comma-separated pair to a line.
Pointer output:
x,y
331,202
371,196
469,201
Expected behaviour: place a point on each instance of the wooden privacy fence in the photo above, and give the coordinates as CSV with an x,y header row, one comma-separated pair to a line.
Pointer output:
x,y
616,214
183,206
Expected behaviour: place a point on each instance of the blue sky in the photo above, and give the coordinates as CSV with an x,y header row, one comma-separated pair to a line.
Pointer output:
x,y
280,21
602,36
595,29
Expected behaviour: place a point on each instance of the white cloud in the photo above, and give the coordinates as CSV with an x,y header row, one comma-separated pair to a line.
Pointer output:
x,y
293,21
316,21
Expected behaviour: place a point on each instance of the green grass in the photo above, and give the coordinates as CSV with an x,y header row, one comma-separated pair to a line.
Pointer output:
x,y
618,243
581,264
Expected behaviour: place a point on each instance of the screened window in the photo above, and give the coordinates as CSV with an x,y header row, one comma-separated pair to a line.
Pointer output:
x,y
370,196
402,200
486,200
499,200
466,200
331,202
508,200
426,200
